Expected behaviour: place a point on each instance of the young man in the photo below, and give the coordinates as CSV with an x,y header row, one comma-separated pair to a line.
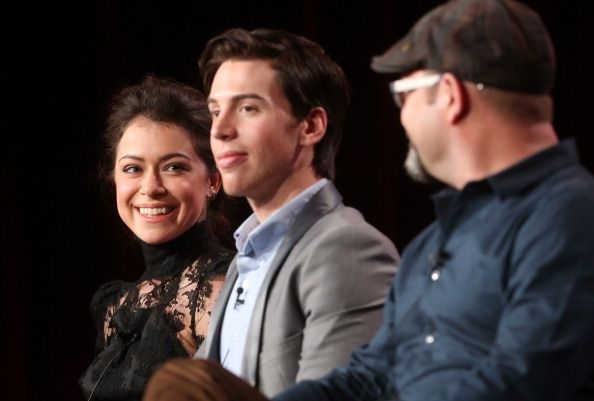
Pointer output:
x,y
311,276
495,300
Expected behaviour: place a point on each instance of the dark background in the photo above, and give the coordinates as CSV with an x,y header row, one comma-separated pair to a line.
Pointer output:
x,y
61,239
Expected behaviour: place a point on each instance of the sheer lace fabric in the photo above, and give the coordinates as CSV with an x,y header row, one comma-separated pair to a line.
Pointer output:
x,y
164,314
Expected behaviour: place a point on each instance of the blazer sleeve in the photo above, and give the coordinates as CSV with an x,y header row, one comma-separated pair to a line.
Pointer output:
x,y
344,281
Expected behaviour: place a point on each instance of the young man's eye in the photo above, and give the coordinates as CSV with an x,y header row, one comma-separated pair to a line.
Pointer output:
x,y
248,108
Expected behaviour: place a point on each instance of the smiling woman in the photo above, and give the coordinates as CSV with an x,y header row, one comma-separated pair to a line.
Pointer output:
x,y
162,185
158,159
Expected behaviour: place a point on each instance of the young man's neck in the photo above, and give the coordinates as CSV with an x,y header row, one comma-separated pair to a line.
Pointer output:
x,y
265,205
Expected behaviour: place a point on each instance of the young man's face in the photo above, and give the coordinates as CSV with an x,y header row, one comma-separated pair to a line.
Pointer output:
x,y
254,135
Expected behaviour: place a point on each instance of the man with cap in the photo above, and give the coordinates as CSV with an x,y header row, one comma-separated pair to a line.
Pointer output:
x,y
495,299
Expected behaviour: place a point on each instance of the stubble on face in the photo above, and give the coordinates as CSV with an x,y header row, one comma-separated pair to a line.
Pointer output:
x,y
414,167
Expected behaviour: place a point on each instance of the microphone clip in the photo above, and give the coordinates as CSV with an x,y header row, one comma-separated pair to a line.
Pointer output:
x,y
240,297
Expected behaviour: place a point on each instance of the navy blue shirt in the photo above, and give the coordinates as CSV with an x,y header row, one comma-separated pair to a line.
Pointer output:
x,y
493,301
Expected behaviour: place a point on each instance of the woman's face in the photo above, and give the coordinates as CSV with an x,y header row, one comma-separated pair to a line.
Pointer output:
x,y
161,183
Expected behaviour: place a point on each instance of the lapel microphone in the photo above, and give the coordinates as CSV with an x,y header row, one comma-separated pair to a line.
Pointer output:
x,y
436,259
240,297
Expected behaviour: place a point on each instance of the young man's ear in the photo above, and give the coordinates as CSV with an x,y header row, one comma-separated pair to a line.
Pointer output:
x,y
315,124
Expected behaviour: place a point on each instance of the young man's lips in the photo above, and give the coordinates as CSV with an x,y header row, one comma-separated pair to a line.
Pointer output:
x,y
230,159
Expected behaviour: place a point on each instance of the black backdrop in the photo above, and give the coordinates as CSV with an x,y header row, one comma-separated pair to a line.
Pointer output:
x,y
61,239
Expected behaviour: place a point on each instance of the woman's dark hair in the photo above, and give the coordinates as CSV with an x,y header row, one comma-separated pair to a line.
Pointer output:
x,y
166,101
306,73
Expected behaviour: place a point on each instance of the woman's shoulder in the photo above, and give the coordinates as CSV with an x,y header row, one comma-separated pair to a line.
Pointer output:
x,y
107,294
216,265
215,261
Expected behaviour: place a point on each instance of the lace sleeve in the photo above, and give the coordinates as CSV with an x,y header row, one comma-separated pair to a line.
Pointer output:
x,y
103,306
190,310
199,288
203,313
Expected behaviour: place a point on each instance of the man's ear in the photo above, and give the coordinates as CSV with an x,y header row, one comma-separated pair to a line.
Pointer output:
x,y
314,126
457,100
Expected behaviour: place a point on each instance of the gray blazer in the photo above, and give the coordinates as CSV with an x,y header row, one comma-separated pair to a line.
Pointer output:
x,y
321,298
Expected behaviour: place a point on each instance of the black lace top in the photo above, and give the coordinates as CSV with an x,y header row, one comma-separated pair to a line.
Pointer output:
x,y
162,315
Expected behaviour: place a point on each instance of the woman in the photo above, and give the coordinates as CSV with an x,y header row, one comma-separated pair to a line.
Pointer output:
x,y
159,160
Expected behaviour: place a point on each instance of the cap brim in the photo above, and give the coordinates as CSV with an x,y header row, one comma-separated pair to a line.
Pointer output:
x,y
395,60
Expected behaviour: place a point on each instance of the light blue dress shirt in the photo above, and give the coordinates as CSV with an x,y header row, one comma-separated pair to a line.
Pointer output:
x,y
257,245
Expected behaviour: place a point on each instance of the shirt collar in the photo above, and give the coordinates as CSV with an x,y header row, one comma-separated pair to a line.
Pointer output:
x,y
253,238
515,178
533,169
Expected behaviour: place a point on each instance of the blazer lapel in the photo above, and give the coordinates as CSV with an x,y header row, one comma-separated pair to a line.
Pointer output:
x,y
321,204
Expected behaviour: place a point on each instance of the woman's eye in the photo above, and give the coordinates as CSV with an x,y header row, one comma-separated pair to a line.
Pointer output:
x,y
131,169
174,168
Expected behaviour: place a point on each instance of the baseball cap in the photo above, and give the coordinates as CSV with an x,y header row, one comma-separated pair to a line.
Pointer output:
x,y
500,43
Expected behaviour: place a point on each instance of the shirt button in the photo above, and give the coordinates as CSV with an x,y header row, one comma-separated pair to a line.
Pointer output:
x,y
429,339
435,275
234,336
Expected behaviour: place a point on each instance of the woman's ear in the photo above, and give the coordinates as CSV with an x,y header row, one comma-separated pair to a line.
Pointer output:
x,y
214,184
457,105
315,124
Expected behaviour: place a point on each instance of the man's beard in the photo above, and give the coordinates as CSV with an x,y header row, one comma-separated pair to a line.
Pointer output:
x,y
415,168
